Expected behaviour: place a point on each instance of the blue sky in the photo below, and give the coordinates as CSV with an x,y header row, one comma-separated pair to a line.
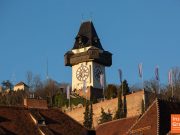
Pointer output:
x,y
133,30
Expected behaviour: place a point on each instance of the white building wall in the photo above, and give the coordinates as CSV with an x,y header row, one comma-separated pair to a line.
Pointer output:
x,y
91,80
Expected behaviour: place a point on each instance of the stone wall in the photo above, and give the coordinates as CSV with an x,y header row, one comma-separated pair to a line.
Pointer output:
x,y
35,103
134,104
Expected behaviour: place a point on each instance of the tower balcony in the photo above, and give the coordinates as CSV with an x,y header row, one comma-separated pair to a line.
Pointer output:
x,y
95,55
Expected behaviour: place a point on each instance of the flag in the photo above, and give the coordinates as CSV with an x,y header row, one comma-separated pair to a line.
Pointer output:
x,y
157,73
68,92
84,86
140,70
120,75
170,77
102,80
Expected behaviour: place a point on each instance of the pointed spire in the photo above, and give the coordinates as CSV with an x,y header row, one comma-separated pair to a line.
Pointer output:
x,y
87,36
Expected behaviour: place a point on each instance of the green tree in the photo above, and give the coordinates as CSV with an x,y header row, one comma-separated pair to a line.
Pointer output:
x,y
105,117
124,87
13,98
86,116
91,116
111,91
7,85
60,100
142,107
124,107
120,112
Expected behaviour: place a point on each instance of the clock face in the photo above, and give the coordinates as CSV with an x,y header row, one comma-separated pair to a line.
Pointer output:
x,y
82,73
97,72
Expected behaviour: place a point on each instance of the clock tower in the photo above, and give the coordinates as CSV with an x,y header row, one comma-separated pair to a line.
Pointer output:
x,y
88,60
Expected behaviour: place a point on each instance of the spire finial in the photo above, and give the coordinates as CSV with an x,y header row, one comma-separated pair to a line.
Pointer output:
x,y
91,16
82,18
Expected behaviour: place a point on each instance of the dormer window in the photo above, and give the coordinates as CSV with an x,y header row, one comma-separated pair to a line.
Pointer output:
x,y
41,122
95,40
82,40
79,40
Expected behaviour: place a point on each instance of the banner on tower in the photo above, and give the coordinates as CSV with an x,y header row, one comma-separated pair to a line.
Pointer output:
x,y
84,86
102,80
140,70
170,77
120,75
157,73
68,92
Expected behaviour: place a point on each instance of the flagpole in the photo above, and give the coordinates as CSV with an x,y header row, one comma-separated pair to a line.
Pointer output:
x,y
68,95
103,93
69,102
102,83
157,78
172,92
103,87
142,79
172,85
158,86
142,82
159,91
141,74
171,82
120,78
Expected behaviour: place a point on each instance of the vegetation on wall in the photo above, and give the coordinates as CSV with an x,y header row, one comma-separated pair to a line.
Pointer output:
x,y
88,115
105,116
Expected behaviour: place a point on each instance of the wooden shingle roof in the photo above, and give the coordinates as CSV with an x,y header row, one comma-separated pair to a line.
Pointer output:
x,y
87,36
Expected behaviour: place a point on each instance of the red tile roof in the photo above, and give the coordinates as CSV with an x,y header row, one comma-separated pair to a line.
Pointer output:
x,y
59,123
156,120
18,120
116,127
147,123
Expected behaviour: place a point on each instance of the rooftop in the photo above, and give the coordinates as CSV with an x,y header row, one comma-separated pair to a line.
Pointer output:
x,y
87,36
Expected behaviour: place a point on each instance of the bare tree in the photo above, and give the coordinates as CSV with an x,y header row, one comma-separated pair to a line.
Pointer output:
x,y
175,88
51,89
29,79
176,77
37,83
152,86
7,85
172,91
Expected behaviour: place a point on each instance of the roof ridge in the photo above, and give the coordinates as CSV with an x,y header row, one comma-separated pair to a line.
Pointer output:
x,y
115,121
158,112
21,82
14,107
168,100
142,115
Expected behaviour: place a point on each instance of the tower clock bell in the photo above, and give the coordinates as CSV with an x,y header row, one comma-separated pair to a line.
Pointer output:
x,y
88,60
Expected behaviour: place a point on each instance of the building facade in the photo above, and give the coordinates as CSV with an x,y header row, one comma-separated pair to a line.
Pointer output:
x,y
21,86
